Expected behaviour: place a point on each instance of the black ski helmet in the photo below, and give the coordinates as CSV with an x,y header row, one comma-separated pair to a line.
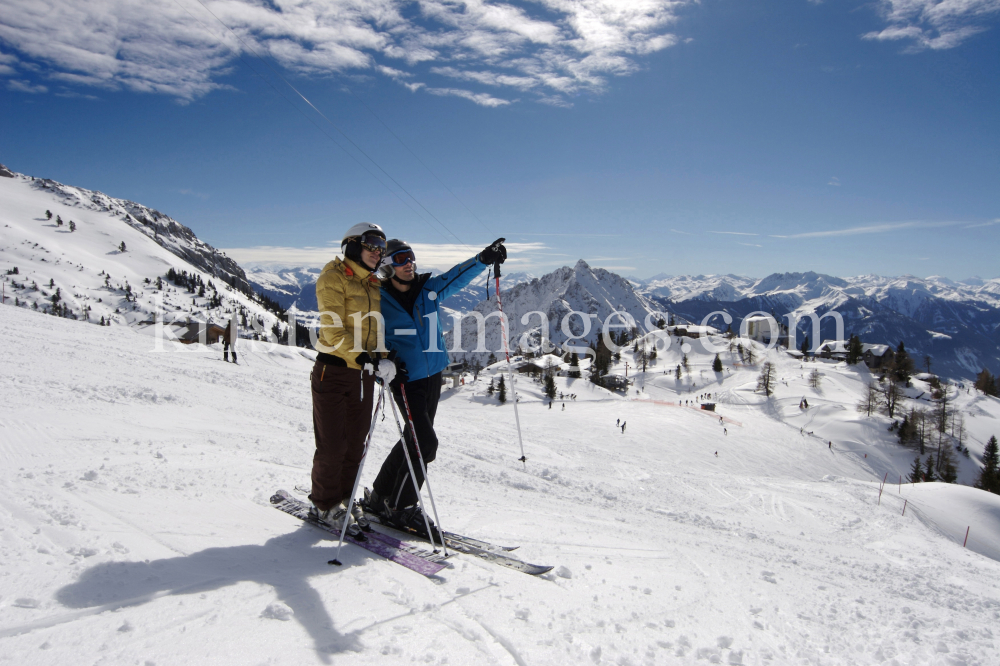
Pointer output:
x,y
394,245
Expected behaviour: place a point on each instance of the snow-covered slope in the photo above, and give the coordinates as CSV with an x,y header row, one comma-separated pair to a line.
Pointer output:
x,y
581,288
135,526
82,259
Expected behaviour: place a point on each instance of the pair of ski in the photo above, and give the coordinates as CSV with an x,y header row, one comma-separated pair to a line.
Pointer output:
x,y
412,557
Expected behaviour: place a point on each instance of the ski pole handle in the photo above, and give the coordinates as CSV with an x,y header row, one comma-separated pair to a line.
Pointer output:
x,y
496,264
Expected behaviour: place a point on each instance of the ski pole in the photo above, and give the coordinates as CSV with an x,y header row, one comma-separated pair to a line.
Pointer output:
x,y
357,478
413,477
506,351
423,467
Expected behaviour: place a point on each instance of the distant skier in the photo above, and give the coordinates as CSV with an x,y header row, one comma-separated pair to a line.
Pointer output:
x,y
623,427
618,423
564,407
409,302
229,338
343,378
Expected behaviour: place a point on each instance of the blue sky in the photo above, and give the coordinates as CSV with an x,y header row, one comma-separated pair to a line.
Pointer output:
x,y
645,137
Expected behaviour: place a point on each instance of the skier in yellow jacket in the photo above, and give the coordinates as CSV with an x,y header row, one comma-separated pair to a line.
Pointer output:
x,y
350,347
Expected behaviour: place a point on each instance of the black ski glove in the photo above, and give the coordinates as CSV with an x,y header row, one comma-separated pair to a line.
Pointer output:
x,y
401,376
495,253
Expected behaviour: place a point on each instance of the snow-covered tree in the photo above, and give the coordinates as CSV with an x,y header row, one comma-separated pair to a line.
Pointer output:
x,y
815,378
717,364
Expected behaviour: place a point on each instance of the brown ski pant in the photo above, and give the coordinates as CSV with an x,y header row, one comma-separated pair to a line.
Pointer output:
x,y
341,418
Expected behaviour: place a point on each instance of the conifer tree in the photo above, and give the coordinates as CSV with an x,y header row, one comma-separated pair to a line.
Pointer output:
x,y
717,364
916,471
502,391
946,464
48,215
72,226
929,469
677,373
989,477
490,390
805,347
854,350
121,248
574,366
58,221
986,383
902,364
492,359
550,386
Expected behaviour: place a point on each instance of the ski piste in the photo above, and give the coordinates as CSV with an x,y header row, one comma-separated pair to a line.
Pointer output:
x,y
469,546
412,557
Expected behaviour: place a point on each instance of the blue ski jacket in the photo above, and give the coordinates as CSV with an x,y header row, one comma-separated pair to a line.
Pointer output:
x,y
416,337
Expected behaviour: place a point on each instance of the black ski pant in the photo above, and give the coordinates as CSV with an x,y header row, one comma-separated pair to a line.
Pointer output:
x,y
393,481
342,415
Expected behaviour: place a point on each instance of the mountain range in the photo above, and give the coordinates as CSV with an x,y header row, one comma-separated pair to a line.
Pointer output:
x,y
956,324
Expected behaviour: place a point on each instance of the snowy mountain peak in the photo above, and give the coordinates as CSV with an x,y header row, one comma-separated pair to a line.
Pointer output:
x,y
581,289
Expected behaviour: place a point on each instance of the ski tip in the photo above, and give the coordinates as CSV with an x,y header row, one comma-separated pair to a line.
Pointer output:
x,y
335,562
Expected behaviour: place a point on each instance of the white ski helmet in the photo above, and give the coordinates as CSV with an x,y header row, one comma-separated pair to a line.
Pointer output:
x,y
360,229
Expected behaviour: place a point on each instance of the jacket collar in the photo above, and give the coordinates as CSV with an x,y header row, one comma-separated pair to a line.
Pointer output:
x,y
352,267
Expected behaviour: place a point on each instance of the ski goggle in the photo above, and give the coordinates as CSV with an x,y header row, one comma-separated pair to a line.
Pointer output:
x,y
373,243
403,257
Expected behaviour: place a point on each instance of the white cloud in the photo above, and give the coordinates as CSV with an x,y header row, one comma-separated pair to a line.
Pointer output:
x,y
733,233
834,181
438,256
26,86
553,48
870,229
479,98
983,224
934,24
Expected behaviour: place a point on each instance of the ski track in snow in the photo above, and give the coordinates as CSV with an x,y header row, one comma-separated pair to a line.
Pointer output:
x,y
135,525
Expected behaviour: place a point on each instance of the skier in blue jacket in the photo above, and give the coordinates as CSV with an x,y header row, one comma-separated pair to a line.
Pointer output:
x,y
410,308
